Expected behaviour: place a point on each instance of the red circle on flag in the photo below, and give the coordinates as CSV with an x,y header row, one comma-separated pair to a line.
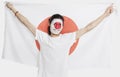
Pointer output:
x,y
69,26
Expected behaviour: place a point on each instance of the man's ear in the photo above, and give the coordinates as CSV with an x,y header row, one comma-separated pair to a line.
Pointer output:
x,y
49,20
49,30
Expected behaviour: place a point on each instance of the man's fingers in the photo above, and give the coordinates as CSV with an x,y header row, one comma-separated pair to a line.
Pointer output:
x,y
110,7
112,10
8,4
112,4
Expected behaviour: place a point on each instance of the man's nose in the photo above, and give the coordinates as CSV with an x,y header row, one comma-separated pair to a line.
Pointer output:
x,y
57,25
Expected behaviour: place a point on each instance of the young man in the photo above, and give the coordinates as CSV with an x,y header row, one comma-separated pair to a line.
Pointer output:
x,y
53,54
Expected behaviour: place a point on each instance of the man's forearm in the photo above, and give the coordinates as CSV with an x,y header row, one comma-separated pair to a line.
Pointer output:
x,y
90,26
94,23
23,19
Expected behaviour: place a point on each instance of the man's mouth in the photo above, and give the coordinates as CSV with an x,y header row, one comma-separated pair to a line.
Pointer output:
x,y
56,29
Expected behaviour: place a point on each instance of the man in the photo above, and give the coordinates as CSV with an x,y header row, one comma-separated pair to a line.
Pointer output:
x,y
53,54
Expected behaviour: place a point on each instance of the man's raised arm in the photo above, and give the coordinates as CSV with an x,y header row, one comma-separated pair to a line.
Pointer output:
x,y
94,23
23,19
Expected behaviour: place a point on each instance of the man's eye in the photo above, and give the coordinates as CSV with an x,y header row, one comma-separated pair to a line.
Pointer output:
x,y
59,23
55,24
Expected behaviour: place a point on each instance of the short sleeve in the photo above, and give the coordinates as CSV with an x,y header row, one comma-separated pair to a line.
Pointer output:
x,y
70,37
40,35
36,35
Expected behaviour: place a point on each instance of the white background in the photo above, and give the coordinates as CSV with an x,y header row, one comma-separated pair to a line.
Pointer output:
x,y
10,69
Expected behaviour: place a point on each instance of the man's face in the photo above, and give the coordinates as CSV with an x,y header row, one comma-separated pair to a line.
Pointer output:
x,y
56,26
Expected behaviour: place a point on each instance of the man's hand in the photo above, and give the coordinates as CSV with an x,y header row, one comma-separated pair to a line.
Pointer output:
x,y
11,7
109,10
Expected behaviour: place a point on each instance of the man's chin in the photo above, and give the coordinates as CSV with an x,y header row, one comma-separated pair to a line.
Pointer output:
x,y
55,33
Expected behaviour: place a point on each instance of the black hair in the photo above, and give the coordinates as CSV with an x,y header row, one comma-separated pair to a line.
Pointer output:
x,y
55,16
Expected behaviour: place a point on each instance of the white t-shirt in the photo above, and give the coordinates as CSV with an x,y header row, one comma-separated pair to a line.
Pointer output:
x,y
54,52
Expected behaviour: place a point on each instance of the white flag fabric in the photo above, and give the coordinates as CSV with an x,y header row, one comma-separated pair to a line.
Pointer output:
x,y
93,50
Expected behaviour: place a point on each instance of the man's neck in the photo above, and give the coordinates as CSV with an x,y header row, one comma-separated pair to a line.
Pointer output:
x,y
54,35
